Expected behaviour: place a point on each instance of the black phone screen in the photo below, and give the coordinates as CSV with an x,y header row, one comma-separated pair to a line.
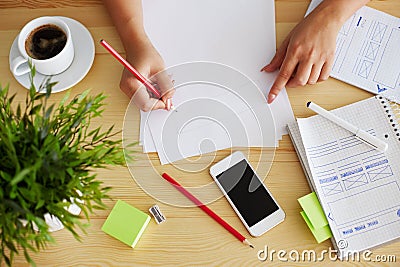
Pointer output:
x,y
247,193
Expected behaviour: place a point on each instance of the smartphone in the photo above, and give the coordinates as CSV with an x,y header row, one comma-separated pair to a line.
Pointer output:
x,y
248,196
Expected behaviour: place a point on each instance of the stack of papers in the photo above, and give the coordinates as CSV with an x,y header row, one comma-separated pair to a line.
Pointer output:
x,y
126,223
314,217
220,94
209,116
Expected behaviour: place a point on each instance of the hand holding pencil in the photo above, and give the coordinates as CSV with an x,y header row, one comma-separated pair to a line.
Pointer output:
x,y
135,83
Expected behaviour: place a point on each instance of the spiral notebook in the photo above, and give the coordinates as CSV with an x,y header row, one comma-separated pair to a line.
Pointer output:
x,y
358,187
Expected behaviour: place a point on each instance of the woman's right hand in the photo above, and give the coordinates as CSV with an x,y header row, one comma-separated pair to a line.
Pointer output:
x,y
148,62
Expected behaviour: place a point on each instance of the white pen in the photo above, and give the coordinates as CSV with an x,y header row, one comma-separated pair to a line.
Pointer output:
x,y
367,138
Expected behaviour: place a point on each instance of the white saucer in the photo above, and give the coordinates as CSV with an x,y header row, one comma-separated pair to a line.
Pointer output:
x,y
83,59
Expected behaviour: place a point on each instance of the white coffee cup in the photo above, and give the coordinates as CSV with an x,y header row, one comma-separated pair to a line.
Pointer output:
x,y
49,66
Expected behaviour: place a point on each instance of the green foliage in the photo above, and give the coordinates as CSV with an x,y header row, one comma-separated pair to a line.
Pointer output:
x,y
47,155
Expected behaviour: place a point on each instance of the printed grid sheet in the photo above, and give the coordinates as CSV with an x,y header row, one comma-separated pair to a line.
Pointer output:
x,y
367,53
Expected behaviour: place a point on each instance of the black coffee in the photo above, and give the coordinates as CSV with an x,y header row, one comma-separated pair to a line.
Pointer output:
x,y
45,41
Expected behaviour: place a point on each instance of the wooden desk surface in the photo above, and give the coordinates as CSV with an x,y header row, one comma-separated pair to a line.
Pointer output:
x,y
189,237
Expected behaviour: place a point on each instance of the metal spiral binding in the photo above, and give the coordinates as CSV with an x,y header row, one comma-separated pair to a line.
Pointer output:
x,y
392,110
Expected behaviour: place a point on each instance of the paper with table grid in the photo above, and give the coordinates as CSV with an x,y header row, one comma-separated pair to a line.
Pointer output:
x,y
358,186
367,53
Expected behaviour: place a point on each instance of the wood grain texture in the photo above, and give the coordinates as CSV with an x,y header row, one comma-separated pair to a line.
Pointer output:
x,y
33,4
189,237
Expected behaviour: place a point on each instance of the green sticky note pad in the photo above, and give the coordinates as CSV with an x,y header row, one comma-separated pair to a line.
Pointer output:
x,y
313,210
126,223
320,234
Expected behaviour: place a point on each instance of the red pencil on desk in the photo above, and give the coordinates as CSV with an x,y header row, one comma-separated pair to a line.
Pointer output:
x,y
207,210
137,74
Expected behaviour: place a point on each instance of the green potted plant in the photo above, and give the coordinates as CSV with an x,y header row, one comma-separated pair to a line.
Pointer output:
x,y
48,155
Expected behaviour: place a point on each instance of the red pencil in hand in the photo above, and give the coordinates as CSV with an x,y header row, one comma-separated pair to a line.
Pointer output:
x,y
138,76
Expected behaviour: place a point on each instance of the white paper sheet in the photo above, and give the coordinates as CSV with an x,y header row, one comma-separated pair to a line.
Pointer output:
x,y
211,118
236,33
145,138
358,186
367,51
